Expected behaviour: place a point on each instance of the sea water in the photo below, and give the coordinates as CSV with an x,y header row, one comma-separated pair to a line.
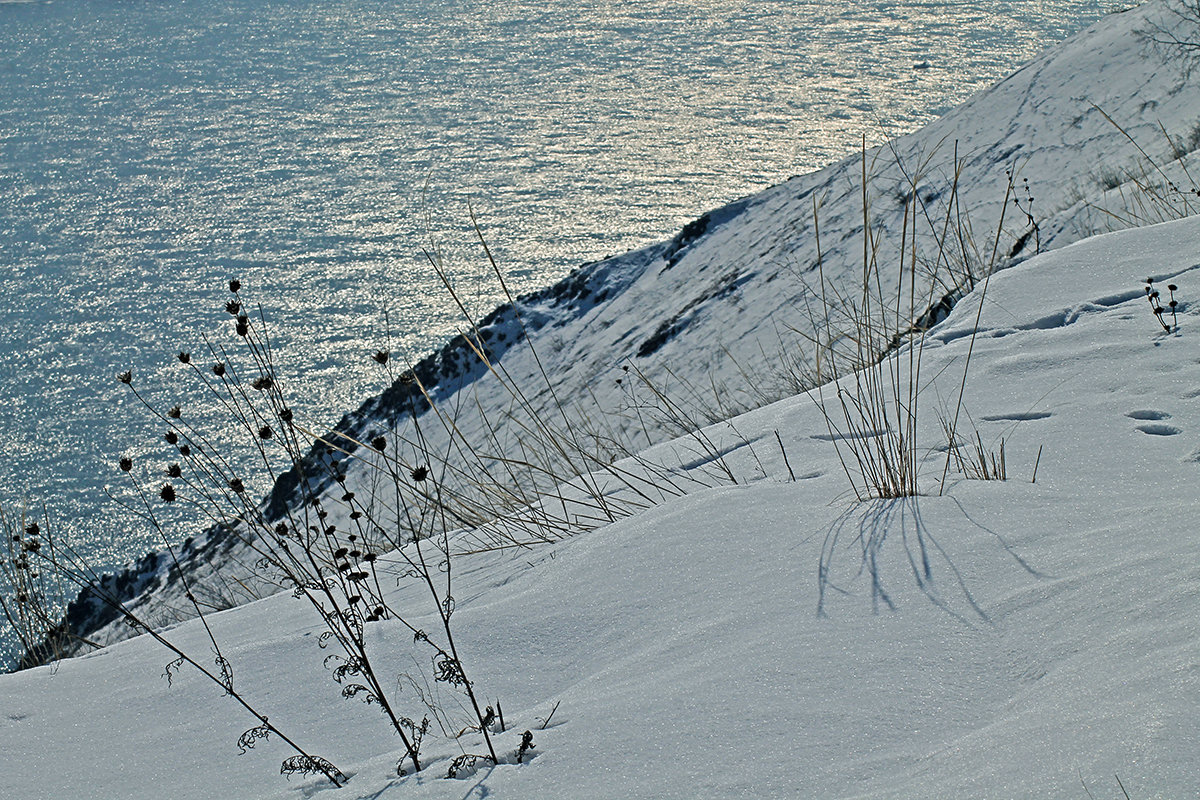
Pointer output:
x,y
320,150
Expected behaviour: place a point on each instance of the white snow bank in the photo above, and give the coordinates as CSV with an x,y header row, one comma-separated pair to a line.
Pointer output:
x,y
1005,639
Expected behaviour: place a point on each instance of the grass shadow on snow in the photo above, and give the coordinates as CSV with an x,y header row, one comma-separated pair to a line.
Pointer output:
x,y
868,527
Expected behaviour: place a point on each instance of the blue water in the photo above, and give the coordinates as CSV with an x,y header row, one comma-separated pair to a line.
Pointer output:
x,y
315,148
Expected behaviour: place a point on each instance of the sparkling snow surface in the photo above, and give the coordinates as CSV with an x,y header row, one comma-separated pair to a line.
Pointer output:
x,y
1011,640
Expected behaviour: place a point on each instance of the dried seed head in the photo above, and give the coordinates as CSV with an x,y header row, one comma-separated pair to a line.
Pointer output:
x,y
381,356
219,369
233,307
172,437
235,285
242,329
379,443
281,529
286,415
1172,287
167,493
419,474
369,557
125,377
265,432
175,412
174,471
237,486
126,463
263,383
184,357
32,529
184,450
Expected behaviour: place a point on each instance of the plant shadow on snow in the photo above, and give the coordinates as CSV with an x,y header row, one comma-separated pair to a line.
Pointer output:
x,y
866,528
871,524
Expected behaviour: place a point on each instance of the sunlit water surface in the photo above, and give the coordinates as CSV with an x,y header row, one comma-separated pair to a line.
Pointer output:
x,y
313,148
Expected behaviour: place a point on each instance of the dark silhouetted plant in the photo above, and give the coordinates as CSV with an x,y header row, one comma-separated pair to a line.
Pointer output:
x,y
1160,311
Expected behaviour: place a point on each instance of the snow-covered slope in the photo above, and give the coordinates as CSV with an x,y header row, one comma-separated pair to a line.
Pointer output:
x,y
777,638
714,307
708,318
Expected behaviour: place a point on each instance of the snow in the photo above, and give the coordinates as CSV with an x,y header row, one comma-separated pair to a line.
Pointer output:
x,y
1053,638
709,316
777,637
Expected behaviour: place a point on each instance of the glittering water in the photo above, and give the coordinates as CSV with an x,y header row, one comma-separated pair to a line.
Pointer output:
x,y
313,148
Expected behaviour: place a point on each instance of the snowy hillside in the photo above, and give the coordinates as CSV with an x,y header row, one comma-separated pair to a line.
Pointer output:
x,y
709,318
748,627
776,638
709,315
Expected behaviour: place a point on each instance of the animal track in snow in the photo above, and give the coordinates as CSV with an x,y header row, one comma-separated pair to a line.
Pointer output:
x,y
1019,416
1159,429
1148,414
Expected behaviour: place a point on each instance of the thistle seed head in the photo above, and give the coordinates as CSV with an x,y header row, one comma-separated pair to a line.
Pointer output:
x,y
235,285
